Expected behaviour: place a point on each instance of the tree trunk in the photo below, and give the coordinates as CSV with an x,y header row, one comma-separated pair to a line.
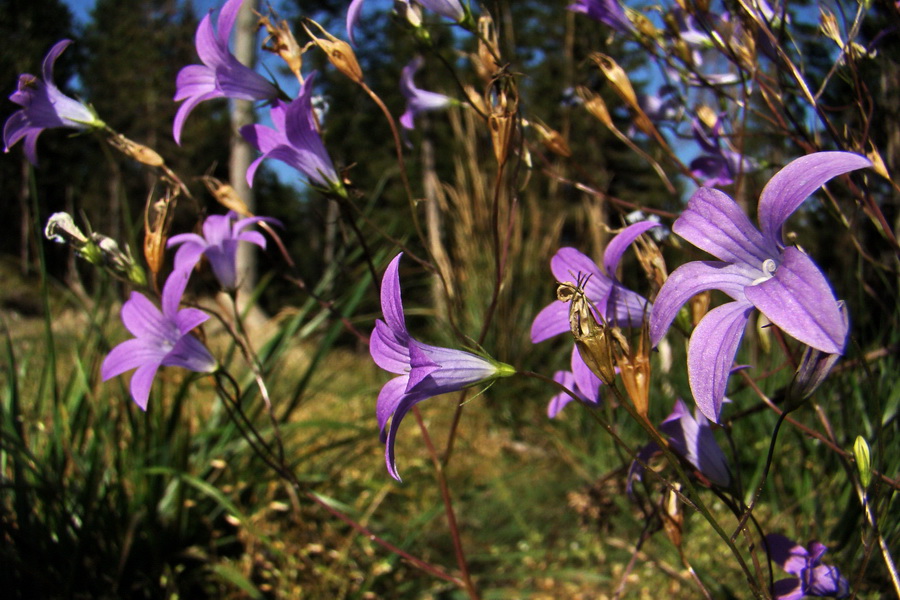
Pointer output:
x,y
241,151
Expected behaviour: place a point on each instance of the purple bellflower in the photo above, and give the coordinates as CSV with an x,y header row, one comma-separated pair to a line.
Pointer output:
x,y
417,100
451,9
219,242
615,303
756,270
44,107
295,140
719,164
424,371
221,75
160,339
692,438
580,380
810,577
609,12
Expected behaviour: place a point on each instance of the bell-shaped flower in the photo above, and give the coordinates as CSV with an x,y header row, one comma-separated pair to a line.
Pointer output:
x,y
581,380
810,577
44,106
451,9
221,75
615,303
295,140
417,100
219,243
423,371
692,438
161,338
609,12
756,270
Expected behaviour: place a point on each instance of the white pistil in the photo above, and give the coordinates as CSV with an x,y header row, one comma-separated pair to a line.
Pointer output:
x,y
768,268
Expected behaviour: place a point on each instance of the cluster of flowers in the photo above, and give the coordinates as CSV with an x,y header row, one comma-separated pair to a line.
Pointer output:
x,y
754,267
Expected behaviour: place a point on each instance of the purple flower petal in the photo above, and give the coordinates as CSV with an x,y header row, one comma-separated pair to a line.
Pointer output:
x,y
799,300
142,319
390,396
391,302
451,9
588,383
418,100
295,140
560,400
129,355
826,580
795,182
788,589
609,12
142,381
693,439
688,280
389,351
552,320
190,353
711,353
403,407
352,18
715,223
617,246
188,319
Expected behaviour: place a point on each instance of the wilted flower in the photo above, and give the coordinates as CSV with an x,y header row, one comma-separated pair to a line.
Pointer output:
x,y
580,380
219,242
810,577
424,371
418,101
609,12
44,107
160,339
221,75
756,270
294,141
615,303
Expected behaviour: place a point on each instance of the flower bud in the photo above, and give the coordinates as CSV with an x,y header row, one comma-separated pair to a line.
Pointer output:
x,y
61,229
815,366
672,516
863,461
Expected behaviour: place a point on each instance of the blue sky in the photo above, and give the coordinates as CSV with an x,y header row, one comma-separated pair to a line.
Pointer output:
x,y
82,8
